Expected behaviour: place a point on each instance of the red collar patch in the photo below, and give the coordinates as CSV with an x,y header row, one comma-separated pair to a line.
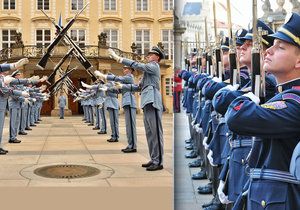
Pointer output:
x,y
238,107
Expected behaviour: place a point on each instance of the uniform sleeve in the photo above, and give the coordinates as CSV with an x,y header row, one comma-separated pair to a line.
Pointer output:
x,y
223,98
277,119
211,87
150,68
131,87
123,79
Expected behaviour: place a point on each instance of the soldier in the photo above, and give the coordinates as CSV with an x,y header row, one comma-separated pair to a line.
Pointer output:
x,y
62,101
274,170
128,104
6,91
151,103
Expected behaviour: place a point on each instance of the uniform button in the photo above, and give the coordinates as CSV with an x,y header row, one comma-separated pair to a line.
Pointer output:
x,y
263,203
227,134
243,161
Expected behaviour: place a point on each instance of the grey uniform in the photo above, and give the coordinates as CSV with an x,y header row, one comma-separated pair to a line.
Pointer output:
x,y
62,101
112,105
129,106
151,103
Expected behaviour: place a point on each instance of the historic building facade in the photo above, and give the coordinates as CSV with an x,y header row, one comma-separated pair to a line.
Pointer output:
x,y
130,26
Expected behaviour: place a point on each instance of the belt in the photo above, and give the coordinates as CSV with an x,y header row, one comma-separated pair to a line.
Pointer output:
x,y
241,143
191,89
275,175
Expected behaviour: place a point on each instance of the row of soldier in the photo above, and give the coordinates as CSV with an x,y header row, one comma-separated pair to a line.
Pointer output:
x,y
103,95
246,145
23,99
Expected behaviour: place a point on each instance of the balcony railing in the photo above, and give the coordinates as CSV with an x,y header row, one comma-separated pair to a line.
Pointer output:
x,y
90,51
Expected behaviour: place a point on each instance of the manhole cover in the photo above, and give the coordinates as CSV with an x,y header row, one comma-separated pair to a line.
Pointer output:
x,y
66,171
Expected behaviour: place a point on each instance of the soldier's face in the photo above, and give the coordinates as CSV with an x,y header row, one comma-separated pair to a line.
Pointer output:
x,y
225,59
245,55
281,59
152,57
126,71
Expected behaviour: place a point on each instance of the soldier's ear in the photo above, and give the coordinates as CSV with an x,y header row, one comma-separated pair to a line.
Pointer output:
x,y
297,65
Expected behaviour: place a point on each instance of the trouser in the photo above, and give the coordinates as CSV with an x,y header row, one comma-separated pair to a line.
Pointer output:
x,y
28,116
114,122
102,119
130,121
14,122
97,116
32,115
176,102
24,110
61,112
154,133
2,117
91,115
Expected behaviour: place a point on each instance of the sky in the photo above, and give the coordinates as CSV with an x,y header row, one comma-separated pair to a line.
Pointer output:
x,y
241,9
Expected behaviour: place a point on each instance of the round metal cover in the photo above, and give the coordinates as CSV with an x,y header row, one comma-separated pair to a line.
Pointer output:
x,y
66,171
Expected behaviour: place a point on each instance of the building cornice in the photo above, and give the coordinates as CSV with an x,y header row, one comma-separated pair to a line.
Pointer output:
x,y
137,19
9,17
165,19
39,18
103,19
80,18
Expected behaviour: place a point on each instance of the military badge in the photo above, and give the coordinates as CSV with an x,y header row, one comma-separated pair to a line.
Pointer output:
x,y
275,105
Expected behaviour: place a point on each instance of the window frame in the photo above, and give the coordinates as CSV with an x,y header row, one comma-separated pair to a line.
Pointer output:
x,y
169,5
77,5
143,42
170,42
77,41
116,6
109,41
9,42
9,5
142,7
44,42
43,5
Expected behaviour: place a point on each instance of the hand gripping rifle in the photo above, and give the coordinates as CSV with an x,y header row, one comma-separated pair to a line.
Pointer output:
x,y
258,74
42,63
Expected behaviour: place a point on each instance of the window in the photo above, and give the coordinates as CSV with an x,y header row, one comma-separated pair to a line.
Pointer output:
x,y
77,4
43,4
142,5
43,37
9,4
112,37
169,86
8,38
142,39
167,41
78,35
168,5
110,5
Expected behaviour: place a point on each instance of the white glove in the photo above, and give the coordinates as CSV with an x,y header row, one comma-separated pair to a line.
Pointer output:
x,y
223,198
252,97
103,88
217,79
210,158
232,88
100,75
8,79
114,56
198,128
86,85
34,99
25,94
45,99
26,101
82,90
19,63
192,123
44,78
204,142
76,99
118,85
34,78
100,106
43,87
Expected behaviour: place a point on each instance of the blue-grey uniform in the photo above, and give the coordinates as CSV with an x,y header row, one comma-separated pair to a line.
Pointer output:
x,y
62,102
151,103
274,160
129,106
112,106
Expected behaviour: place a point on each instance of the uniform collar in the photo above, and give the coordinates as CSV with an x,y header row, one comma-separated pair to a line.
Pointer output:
x,y
292,84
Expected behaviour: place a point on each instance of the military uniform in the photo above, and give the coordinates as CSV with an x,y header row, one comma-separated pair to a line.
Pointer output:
x,y
275,125
151,103
62,102
129,106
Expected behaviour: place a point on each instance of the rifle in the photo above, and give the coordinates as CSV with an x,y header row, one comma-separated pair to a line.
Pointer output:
x,y
77,52
233,66
61,79
42,63
219,65
208,55
258,75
